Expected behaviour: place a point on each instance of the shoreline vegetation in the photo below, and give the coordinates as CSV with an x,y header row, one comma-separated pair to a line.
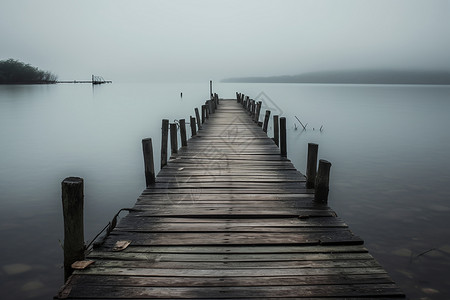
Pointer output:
x,y
16,72
355,77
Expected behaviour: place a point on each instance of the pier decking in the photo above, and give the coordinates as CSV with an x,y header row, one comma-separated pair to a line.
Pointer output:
x,y
229,218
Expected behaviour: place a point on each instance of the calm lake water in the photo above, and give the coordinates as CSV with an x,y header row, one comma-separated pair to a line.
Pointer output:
x,y
389,146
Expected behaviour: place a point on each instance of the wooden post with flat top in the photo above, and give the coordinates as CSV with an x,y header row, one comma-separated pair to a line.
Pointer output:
x,y
149,166
311,165
322,181
72,201
164,141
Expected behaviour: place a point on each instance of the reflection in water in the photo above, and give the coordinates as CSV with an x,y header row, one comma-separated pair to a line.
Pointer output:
x,y
388,146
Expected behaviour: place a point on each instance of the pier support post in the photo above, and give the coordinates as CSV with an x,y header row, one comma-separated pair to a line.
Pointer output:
x,y
173,138
183,133
266,121
72,202
322,181
276,131
283,148
258,111
199,121
149,166
192,123
311,165
203,113
164,141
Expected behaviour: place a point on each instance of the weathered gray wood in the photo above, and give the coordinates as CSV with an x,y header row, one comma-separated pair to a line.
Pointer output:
x,y
229,218
193,126
149,165
183,134
72,202
266,121
173,138
283,145
322,181
311,166
164,141
197,116
276,130
203,113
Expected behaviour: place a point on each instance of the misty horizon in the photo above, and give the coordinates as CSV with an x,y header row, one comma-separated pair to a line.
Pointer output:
x,y
201,40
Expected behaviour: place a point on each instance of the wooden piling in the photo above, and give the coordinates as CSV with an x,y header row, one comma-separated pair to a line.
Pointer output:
x,y
203,113
183,133
210,88
258,111
72,202
322,181
164,141
276,131
149,166
193,129
266,121
283,148
173,138
311,165
197,116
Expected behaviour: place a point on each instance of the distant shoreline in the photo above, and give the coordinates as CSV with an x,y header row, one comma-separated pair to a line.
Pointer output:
x,y
354,77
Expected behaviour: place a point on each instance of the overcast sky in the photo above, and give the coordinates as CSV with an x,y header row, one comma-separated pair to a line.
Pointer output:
x,y
201,40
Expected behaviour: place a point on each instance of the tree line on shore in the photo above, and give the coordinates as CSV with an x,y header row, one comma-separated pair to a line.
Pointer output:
x,y
15,72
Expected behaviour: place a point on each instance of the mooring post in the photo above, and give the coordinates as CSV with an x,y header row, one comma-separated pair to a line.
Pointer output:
x,y
149,166
203,113
258,111
183,133
199,121
283,148
210,88
192,123
237,97
266,121
322,181
276,131
164,141
207,111
72,202
311,165
173,138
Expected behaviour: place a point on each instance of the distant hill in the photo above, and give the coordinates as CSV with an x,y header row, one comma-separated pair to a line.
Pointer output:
x,y
355,76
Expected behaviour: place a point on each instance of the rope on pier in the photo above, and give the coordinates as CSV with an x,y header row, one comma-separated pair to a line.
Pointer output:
x,y
109,227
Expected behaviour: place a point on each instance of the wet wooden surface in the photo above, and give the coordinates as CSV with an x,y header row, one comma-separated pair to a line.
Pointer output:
x,y
228,218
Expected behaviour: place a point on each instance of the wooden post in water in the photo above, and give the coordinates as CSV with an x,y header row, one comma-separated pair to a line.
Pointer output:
x,y
164,141
258,111
199,121
149,166
311,165
173,138
207,112
266,121
322,181
72,202
276,131
283,148
192,123
183,133
210,89
203,113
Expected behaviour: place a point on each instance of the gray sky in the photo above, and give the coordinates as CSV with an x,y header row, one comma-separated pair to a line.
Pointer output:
x,y
200,40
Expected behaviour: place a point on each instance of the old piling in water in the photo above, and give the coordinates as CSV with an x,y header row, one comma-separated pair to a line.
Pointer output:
x,y
164,141
276,131
193,129
149,166
72,201
283,146
322,181
197,116
183,132
266,121
173,138
311,165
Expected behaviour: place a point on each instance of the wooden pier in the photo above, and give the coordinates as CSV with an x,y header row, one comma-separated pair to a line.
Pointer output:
x,y
230,218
